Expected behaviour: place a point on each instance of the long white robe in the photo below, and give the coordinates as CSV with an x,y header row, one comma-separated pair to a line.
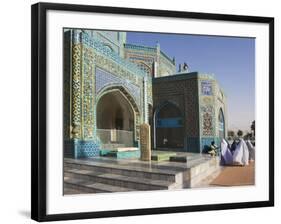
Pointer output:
x,y
241,154
227,158
251,150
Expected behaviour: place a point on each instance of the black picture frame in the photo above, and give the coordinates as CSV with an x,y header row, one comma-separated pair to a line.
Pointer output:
x,y
39,108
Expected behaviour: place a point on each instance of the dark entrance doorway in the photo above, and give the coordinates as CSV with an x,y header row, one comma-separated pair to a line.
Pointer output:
x,y
169,127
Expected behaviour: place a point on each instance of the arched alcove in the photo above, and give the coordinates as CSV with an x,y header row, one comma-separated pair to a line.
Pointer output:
x,y
144,67
169,127
115,119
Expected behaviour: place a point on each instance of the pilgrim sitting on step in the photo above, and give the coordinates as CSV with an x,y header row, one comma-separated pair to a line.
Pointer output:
x,y
213,150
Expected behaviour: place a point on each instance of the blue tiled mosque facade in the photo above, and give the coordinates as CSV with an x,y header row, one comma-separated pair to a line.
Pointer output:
x,y
99,66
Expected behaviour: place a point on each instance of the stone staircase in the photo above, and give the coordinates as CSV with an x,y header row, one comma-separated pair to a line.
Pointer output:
x,y
101,175
200,167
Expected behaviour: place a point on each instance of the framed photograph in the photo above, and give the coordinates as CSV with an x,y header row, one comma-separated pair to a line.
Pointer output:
x,y
139,111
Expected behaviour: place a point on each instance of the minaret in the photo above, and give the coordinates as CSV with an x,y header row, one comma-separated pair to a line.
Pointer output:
x,y
157,62
122,39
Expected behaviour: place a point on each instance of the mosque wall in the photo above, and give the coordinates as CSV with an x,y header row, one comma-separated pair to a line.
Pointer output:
x,y
211,100
98,62
150,59
94,69
112,40
182,91
166,65
200,99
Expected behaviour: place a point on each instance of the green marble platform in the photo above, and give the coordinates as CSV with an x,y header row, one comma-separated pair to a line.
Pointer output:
x,y
124,154
104,152
161,156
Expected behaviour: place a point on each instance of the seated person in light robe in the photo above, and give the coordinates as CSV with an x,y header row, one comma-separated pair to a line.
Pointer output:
x,y
226,155
213,149
241,154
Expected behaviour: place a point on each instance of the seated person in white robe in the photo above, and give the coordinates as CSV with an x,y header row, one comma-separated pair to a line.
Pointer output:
x,y
213,149
226,154
251,150
241,154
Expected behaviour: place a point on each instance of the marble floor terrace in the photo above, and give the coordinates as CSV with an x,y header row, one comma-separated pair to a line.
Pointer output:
x,y
105,174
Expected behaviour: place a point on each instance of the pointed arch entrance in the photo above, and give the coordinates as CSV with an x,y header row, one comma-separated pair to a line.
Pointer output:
x,y
169,127
117,118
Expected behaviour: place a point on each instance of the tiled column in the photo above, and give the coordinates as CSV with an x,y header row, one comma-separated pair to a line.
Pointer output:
x,y
76,86
145,100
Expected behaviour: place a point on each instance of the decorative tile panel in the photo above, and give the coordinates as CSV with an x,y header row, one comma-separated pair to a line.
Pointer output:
x,y
86,149
81,148
99,47
88,93
76,90
149,91
104,78
206,88
207,113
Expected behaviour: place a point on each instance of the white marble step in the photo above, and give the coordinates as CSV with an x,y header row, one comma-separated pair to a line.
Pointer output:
x,y
75,185
125,149
119,180
127,169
